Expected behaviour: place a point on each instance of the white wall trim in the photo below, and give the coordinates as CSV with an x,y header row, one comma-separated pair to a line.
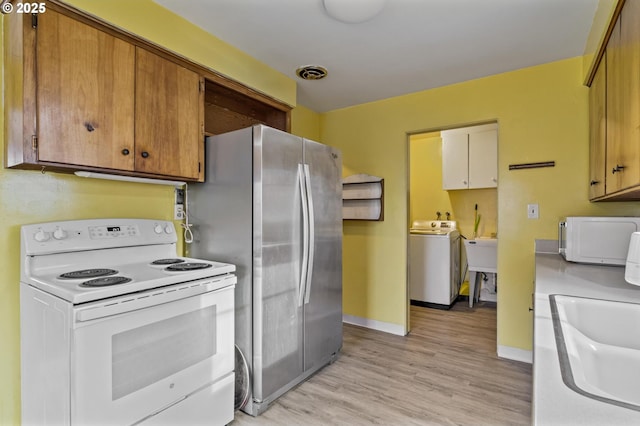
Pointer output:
x,y
515,354
387,327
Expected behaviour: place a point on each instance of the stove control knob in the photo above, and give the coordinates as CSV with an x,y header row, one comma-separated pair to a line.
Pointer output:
x,y
42,236
168,229
157,229
59,233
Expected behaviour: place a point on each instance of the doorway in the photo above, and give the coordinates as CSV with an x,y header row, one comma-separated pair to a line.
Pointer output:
x,y
473,210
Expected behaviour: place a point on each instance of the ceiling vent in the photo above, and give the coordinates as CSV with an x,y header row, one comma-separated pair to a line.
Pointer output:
x,y
311,72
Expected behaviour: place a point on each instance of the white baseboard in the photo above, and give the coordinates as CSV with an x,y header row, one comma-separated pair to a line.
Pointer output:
x,y
515,354
387,327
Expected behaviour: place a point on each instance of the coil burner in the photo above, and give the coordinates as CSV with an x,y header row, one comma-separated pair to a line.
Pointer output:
x,y
105,281
87,273
167,261
189,266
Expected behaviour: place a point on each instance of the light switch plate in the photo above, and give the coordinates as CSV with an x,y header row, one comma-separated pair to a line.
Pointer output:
x,y
532,211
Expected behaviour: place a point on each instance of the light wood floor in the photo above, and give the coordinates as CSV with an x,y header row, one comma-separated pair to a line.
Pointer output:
x,y
445,372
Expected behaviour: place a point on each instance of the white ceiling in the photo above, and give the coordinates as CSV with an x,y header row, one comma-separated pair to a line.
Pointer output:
x,y
412,45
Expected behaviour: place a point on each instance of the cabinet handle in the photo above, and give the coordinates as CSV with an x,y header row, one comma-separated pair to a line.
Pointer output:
x,y
594,182
125,151
533,300
145,154
617,168
89,127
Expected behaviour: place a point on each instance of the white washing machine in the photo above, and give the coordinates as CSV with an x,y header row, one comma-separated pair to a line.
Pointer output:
x,y
434,263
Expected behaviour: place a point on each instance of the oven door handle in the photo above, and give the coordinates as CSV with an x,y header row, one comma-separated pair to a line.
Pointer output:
x,y
137,301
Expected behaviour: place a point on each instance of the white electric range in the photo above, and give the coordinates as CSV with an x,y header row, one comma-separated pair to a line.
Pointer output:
x,y
118,329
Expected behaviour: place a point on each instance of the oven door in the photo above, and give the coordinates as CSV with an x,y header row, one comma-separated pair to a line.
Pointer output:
x,y
131,365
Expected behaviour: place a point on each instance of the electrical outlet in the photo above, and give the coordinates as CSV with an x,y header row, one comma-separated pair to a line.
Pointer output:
x,y
178,212
532,211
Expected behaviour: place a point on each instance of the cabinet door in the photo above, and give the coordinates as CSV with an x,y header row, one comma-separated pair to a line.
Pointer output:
x,y
455,160
614,111
630,45
85,86
483,159
169,118
597,132
622,150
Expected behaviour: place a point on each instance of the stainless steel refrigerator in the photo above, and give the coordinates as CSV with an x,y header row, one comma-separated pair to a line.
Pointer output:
x,y
271,204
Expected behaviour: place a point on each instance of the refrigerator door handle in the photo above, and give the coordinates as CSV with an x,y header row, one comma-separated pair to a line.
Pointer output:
x,y
305,234
312,233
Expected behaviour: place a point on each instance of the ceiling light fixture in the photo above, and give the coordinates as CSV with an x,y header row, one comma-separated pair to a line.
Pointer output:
x,y
311,72
353,11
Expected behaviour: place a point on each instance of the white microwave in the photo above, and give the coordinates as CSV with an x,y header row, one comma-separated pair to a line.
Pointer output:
x,y
600,240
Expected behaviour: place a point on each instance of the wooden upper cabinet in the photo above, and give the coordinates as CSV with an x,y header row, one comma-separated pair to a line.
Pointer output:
x,y
630,43
597,132
623,89
617,119
169,110
81,94
85,102
90,100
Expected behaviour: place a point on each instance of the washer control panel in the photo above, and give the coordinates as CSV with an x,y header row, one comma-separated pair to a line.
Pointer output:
x,y
434,225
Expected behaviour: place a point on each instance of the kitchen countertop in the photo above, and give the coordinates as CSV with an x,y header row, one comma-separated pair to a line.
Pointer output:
x,y
553,402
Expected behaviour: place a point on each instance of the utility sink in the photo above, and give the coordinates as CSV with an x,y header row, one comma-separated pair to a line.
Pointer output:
x,y
482,254
599,348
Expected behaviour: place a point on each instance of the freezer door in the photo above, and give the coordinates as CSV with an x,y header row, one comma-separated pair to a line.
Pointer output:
x,y
323,298
277,321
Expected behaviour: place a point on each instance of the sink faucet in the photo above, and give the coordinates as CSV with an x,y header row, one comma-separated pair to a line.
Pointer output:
x,y
448,215
438,214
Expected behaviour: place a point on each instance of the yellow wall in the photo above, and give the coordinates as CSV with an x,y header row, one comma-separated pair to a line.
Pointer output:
x,y
305,123
29,197
426,195
542,116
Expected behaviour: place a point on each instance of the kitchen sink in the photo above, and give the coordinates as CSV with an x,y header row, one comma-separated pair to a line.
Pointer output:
x,y
599,348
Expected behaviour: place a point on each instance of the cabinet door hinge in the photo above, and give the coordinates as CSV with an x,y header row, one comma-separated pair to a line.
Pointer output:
x,y
34,142
34,20
201,86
